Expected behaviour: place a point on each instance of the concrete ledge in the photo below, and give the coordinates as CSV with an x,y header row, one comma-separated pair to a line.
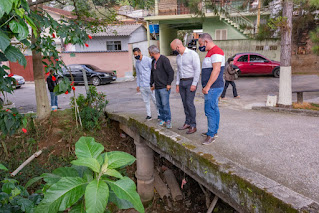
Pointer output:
x,y
305,112
243,189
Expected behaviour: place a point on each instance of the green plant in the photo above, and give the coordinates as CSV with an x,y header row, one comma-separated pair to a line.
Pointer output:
x,y
91,108
15,198
91,183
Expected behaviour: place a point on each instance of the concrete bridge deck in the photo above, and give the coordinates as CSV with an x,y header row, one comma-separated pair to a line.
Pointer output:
x,y
261,162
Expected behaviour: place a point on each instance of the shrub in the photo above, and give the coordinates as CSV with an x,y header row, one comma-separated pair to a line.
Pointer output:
x,y
91,108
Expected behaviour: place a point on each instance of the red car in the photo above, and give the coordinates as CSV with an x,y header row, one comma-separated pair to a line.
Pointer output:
x,y
254,63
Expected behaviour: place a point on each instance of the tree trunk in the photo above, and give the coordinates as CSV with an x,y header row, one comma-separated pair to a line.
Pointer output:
x,y
43,106
285,92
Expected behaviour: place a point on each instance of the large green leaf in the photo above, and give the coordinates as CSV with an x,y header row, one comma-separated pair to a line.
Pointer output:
x,y
20,28
4,41
2,167
5,7
96,196
118,159
62,195
125,189
79,208
88,162
120,203
113,173
33,26
13,54
84,172
66,172
32,181
86,147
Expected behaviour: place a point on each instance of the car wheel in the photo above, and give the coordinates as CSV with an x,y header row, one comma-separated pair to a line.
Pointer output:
x,y
96,81
276,72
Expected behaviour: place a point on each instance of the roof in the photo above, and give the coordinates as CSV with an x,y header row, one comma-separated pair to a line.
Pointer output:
x,y
60,12
119,30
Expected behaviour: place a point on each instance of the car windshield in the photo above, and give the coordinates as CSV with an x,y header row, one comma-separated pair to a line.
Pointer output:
x,y
92,67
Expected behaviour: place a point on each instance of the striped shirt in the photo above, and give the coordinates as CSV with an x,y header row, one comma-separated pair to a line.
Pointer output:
x,y
214,55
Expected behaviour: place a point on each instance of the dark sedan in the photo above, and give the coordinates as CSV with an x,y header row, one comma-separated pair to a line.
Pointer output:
x,y
94,75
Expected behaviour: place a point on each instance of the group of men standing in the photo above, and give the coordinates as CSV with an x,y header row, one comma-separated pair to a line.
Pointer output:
x,y
157,74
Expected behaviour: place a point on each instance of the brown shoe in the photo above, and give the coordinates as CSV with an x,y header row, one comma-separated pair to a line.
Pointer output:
x,y
186,126
209,140
191,130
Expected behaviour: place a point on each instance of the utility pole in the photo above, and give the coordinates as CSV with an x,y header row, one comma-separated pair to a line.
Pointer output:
x,y
285,91
258,16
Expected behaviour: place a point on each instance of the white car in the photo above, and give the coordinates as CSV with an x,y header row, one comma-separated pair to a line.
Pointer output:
x,y
19,81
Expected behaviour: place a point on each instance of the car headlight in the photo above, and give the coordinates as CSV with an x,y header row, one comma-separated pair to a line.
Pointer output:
x,y
106,75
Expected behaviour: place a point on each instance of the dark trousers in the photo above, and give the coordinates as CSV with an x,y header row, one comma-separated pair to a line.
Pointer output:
x,y
188,101
226,86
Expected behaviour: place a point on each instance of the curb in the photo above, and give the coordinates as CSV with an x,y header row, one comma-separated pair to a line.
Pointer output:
x,y
303,112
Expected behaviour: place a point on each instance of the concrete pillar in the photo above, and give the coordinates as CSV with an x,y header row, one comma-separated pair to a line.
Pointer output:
x,y
156,8
167,35
148,33
145,170
285,91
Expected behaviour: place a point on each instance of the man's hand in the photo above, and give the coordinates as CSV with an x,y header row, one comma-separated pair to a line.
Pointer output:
x,y
168,87
177,88
138,89
152,88
193,88
205,90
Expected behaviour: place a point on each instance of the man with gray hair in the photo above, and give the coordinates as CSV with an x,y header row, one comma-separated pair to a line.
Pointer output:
x,y
162,75
212,82
187,77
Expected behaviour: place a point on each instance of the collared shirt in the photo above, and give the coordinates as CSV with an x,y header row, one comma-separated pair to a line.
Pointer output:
x,y
188,66
143,71
214,55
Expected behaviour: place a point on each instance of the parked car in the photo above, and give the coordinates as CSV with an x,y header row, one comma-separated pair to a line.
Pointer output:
x,y
254,63
19,81
94,75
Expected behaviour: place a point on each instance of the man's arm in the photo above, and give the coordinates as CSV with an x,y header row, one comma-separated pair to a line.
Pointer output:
x,y
196,67
152,76
169,71
50,83
213,76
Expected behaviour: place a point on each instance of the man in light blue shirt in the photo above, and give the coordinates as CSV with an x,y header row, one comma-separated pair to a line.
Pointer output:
x,y
143,77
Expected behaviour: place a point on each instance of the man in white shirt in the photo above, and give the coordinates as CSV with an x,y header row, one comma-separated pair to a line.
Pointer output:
x,y
188,72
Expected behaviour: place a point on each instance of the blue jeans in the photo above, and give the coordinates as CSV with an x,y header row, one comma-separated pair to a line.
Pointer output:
x,y
212,110
162,102
54,99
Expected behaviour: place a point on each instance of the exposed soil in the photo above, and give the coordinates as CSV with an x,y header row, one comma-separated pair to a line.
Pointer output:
x,y
305,105
57,137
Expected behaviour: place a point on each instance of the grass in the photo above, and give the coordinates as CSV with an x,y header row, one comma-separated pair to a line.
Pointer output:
x,y
306,105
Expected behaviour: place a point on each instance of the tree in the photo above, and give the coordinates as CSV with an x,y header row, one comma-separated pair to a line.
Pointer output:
x,y
285,92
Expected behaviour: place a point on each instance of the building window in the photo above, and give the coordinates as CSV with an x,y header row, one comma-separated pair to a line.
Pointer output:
x,y
221,34
273,48
259,48
113,45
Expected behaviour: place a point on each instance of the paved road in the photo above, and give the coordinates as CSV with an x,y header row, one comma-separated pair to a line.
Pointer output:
x,y
281,147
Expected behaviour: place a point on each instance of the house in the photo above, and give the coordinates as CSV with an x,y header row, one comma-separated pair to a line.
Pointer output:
x,y
231,27
109,50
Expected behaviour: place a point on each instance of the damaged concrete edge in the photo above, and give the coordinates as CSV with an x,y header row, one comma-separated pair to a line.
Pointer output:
x,y
304,112
243,189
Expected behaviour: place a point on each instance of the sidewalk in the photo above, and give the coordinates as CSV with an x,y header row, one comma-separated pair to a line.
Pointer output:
x,y
279,146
